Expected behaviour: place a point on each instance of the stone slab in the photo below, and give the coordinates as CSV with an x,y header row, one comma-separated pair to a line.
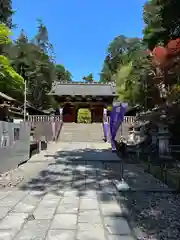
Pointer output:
x,y
24,207
117,226
13,221
36,229
64,221
111,208
90,194
7,234
4,211
89,216
60,235
90,231
70,200
87,235
120,237
44,213
90,204
48,202
68,208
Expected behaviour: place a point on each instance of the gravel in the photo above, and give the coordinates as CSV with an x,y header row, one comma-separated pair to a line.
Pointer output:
x,y
153,212
153,215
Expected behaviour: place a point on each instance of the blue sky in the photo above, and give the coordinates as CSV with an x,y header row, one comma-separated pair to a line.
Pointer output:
x,y
80,30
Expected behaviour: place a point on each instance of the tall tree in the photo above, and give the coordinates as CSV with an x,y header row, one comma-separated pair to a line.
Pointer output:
x,y
42,70
10,81
62,74
162,21
6,12
106,74
89,78
118,53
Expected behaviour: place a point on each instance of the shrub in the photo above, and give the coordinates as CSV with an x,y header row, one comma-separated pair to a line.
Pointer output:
x,y
84,115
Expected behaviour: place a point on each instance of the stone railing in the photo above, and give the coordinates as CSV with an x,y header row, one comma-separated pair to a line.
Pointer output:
x,y
43,118
45,127
129,119
85,83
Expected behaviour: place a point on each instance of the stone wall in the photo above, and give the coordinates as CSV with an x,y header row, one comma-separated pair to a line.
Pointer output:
x,y
14,144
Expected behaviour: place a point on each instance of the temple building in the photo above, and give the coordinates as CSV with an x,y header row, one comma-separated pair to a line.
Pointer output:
x,y
73,96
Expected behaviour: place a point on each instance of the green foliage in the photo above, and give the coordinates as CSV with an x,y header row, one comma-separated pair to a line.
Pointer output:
x,y
10,81
84,115
109,108
127,64
162,19
33,59
39,67
106,74
62,74
6,12
5,34
119,52
89,78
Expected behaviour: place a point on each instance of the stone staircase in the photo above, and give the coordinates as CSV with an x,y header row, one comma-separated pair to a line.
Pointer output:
x,y
79,132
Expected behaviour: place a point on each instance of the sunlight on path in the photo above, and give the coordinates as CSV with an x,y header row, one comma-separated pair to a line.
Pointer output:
x,y
73,198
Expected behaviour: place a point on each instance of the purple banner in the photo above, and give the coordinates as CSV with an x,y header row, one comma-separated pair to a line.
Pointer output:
x,y
116,119
106,130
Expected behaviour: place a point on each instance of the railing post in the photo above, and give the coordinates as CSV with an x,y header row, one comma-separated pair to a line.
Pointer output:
x,y
39,146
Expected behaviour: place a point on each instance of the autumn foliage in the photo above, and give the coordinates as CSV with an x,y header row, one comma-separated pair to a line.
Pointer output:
x,y
163,56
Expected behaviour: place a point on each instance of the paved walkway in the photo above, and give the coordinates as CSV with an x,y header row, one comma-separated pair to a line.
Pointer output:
x,y
72,198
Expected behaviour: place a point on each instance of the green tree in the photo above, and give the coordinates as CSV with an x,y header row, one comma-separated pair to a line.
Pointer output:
x,y
6,12
127,64
106,74
119,52
10,81
89,78
39,65
41,70
62,74
162,21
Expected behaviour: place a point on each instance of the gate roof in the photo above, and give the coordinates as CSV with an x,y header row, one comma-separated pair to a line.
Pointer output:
x,y
83,89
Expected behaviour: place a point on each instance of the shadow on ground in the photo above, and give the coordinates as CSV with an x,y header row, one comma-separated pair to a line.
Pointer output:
x,y
149,214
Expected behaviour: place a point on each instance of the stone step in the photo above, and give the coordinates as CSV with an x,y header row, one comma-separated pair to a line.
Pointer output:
x,y
72,132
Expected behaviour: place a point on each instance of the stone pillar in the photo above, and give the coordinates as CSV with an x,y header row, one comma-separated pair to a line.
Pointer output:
x,y
105,115
105,125
154,137
61,113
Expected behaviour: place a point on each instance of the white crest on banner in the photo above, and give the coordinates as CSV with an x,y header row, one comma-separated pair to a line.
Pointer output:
x,y
118,109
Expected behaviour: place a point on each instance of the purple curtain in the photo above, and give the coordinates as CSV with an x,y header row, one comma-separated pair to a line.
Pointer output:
x,y
116,118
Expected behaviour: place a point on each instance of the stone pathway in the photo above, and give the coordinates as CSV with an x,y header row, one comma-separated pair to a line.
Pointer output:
x,y
70,199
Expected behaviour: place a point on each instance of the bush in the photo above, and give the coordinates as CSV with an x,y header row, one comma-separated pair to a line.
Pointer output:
x,y
84,115
109,108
